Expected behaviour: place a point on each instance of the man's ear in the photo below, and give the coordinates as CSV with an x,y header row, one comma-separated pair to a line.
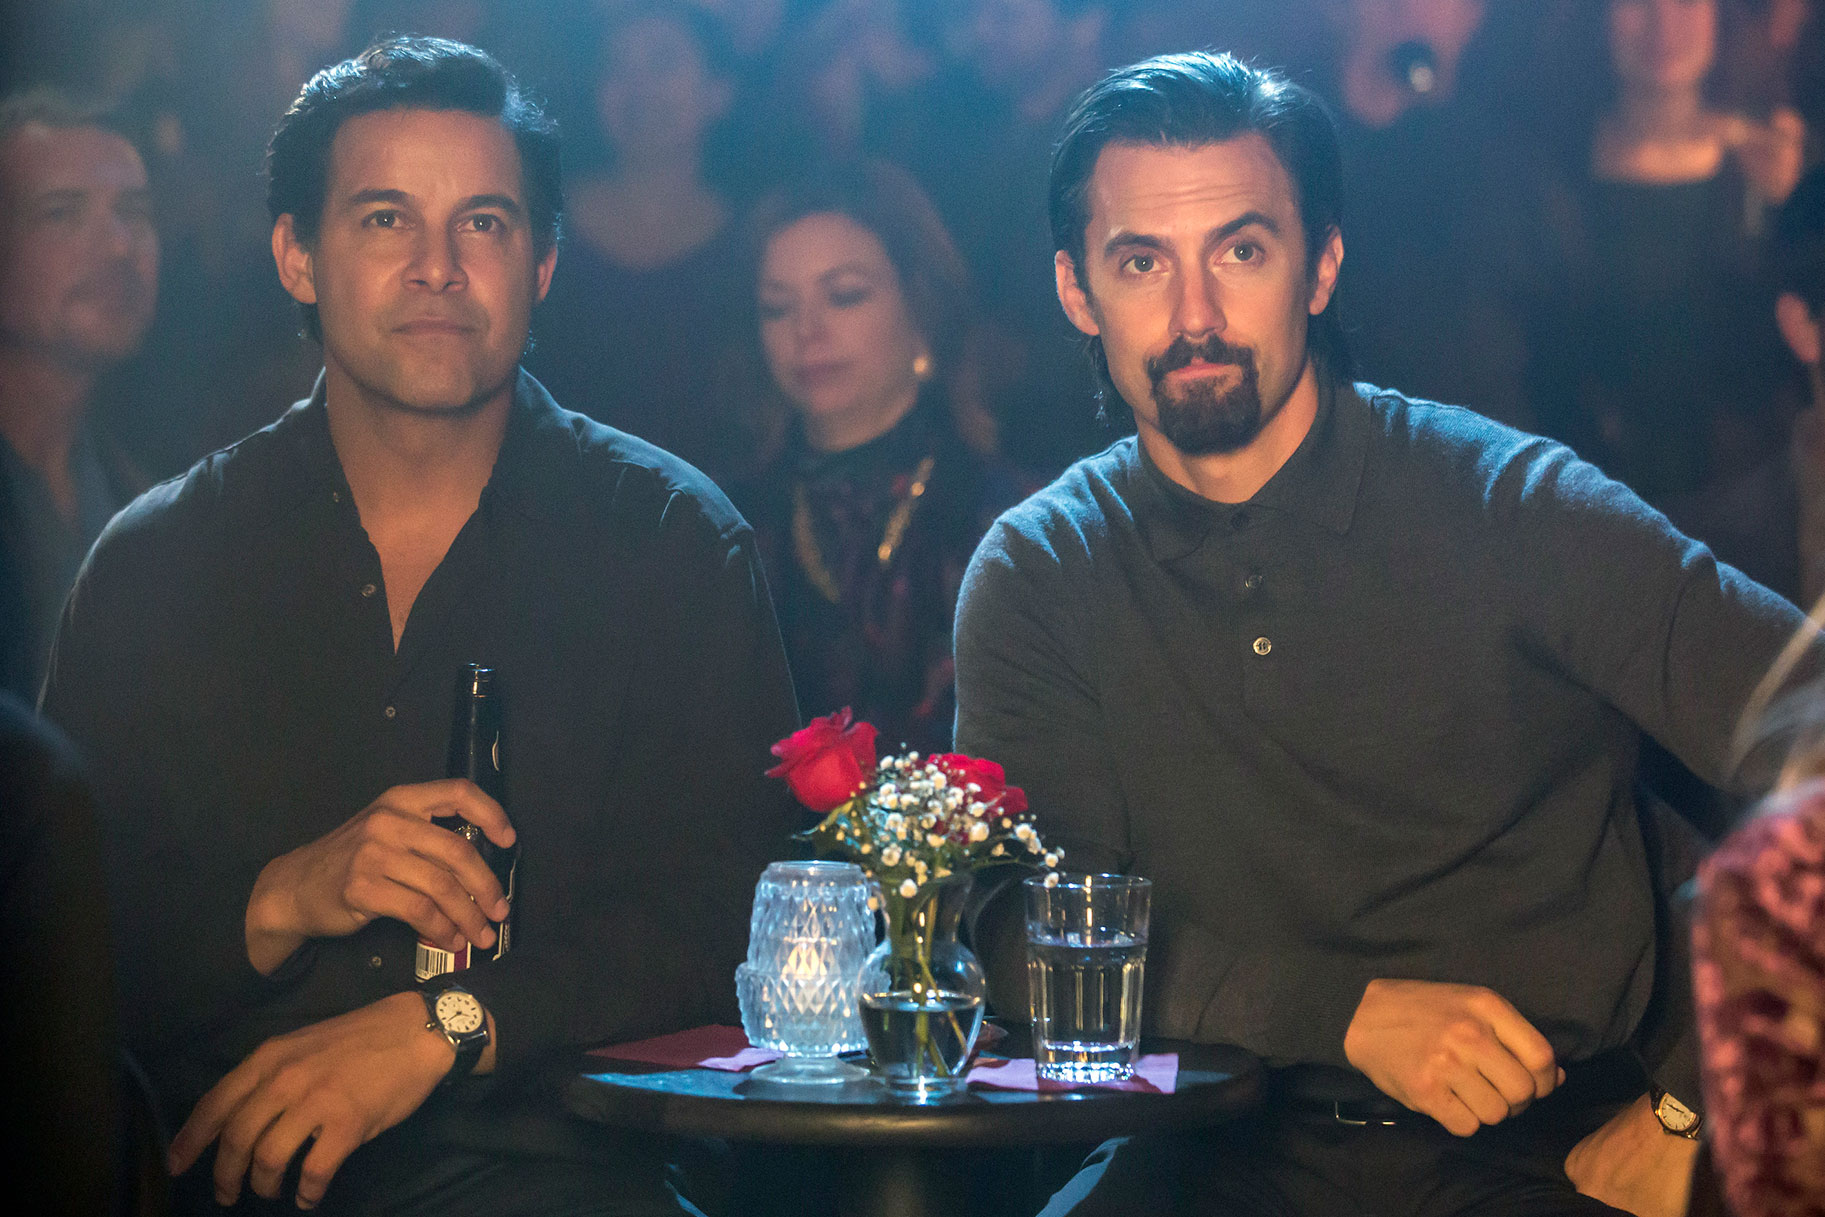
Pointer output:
x,y
542,273
1799,328
1072,296
1324,273
289,254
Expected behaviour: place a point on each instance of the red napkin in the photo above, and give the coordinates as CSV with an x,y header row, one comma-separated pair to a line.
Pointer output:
x,y
724,1048
1156,1073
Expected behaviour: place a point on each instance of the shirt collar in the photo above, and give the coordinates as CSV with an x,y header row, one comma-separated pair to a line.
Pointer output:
x,y
525,478
1318,484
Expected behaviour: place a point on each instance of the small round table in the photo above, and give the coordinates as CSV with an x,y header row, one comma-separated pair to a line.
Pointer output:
x,y
897,1158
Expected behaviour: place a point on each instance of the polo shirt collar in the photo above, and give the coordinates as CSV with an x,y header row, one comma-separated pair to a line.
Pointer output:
x,y
531,474
1318,484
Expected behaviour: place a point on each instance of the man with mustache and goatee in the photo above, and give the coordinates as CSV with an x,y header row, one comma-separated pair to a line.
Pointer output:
x,y
78,279
1359,682
261,657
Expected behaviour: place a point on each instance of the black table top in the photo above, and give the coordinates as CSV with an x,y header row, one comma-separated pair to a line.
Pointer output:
x,y
1215,1082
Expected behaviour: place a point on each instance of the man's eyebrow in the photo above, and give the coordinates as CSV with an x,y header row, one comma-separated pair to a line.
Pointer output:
x,y
361,198
1122,239
63,194
501,202
1258,218
1135,240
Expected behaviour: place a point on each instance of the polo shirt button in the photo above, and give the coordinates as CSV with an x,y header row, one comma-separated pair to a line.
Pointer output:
x,y
1263,646
374,961
1252,583
367,589
335,496
390,711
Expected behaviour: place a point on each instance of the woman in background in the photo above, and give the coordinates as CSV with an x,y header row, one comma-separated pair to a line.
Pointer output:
x,y
1657,356
648,291
879,474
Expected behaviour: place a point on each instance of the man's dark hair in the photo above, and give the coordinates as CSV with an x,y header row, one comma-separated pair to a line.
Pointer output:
x,y
1190,100
407,73
1799,242
62,111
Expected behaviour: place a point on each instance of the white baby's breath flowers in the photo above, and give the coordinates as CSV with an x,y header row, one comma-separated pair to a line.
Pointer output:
x,y
1051,860
979,832
908,889
1023,832
891,856
935,840
1051,879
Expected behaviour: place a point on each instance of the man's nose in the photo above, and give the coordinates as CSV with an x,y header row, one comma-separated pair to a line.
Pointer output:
x,y
436,261
1197,309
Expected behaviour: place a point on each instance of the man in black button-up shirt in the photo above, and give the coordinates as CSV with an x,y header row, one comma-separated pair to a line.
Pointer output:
x,y
1358,682
261,657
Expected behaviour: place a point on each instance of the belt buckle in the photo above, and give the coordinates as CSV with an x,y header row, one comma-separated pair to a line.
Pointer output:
x,y
1365,1122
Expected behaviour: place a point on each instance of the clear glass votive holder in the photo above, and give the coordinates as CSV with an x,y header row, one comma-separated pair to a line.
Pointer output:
x,y
810,931
1086,965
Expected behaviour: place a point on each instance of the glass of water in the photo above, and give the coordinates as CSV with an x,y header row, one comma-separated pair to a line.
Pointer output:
x,y
1086,961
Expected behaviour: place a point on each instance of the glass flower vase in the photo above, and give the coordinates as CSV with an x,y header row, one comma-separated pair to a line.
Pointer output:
x,y
923,992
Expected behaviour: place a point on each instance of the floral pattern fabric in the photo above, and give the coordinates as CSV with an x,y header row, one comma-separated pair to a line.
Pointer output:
x,y
1759,968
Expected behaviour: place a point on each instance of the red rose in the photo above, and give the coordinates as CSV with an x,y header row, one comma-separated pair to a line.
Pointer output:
x,y
991,778
828,762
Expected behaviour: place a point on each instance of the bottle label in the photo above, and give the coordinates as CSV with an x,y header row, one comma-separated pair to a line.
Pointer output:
x,y
435,961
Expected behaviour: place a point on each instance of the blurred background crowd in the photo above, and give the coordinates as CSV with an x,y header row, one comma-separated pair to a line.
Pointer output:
x,y
1582,217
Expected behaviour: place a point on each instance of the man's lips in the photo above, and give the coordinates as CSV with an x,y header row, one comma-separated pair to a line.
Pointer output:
x,y
433,326
1198,369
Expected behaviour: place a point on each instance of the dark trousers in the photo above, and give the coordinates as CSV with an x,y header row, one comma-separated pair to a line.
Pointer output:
x,y
1288,1162
403,1175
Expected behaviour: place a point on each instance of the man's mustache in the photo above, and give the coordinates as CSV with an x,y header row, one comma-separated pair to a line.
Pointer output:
x,y
1211,349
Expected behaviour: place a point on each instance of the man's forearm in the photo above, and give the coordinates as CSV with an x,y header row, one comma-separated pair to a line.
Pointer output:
x,y
270,927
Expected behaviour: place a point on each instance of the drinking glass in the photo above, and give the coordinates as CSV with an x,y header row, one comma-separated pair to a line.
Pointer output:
x,y
1086,962
800,987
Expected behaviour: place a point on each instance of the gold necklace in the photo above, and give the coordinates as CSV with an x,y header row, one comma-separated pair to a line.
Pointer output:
x,y
804,534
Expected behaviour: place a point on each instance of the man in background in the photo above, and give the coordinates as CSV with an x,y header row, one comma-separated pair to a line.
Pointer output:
x,y
78,280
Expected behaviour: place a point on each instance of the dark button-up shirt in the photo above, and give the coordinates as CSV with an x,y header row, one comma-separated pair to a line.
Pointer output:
x,y
1381,720
40,551
227,659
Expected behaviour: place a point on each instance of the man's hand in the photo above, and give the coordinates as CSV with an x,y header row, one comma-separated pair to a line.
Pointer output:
x,y
1458,1053
1633,1164
342,1081
389,861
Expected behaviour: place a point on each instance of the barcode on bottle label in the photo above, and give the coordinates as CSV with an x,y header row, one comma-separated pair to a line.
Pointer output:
x,y
435,961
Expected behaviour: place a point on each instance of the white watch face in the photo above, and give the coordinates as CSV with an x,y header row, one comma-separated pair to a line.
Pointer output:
x,y
460,1013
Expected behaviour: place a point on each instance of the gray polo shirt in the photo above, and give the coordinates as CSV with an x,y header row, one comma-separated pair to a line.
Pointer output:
x,y
1379,721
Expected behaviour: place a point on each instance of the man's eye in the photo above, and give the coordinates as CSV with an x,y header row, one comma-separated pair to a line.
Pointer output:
x,y
486,223
1141,263
1245,251
848,297
382,219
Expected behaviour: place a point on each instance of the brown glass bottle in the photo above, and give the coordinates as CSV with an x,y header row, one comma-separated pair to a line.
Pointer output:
x,y
475,753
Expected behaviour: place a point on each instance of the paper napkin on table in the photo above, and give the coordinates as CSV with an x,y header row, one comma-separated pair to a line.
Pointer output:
x,y
1156,1073
724,1048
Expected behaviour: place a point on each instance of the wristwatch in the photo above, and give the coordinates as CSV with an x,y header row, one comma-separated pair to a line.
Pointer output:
x,y
1675,1117
455,1014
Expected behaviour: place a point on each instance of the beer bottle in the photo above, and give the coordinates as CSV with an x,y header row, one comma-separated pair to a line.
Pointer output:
x,y
475,753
